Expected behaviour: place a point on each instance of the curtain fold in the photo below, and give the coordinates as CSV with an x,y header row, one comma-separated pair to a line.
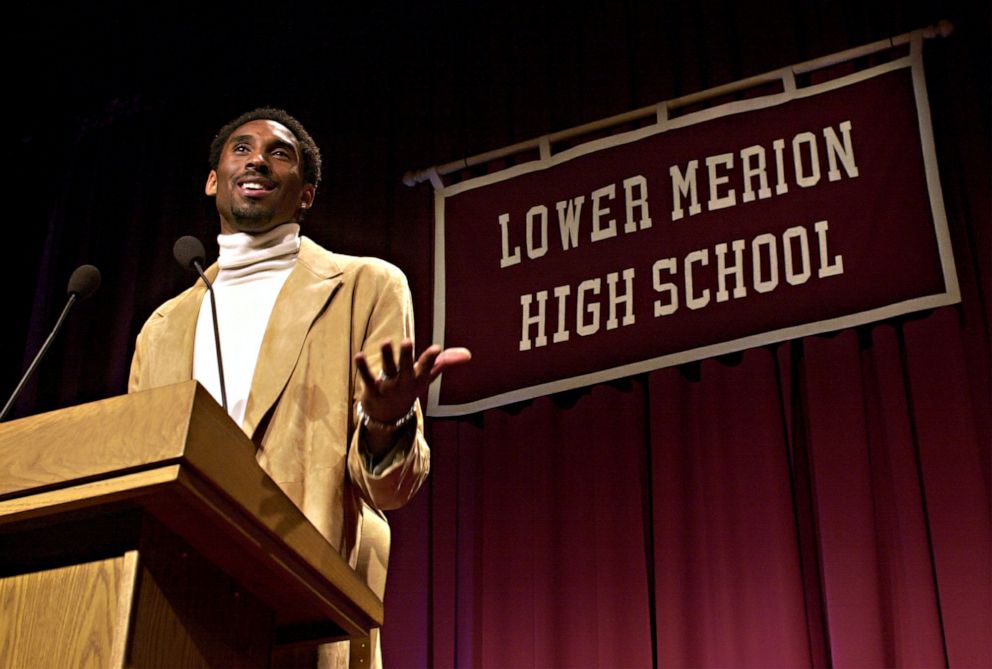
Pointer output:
x,y
815,503
729,577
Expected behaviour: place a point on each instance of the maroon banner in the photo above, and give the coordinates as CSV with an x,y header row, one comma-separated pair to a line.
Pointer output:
x,y
757,221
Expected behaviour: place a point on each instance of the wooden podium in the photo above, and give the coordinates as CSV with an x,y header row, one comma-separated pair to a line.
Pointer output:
x,y
139,531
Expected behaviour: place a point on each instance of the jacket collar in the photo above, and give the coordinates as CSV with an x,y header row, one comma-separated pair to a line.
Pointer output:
x,y
307,290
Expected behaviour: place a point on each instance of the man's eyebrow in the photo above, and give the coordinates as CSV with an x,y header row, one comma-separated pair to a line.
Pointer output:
x,y
284,144
279,143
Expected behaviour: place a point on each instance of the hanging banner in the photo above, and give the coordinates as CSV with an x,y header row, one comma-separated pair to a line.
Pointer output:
x,y
810,210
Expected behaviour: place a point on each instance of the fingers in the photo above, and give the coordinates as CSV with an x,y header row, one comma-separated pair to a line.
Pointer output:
x,y
428,366
389,369
426,361
450,357
388,362
406,358
363,370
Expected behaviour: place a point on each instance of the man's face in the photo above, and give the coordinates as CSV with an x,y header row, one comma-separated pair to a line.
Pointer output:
x,y
258,182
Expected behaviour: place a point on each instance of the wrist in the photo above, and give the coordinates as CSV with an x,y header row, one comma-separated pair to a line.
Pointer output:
x,y
373,423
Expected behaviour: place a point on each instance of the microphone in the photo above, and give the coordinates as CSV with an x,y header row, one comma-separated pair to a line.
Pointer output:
x,y
189,253
84,281
82,284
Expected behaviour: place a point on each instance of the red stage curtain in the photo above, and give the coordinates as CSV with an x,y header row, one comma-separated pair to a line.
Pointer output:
x,y
820,502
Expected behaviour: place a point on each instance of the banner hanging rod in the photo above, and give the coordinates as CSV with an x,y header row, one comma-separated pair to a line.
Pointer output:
x,y
942,29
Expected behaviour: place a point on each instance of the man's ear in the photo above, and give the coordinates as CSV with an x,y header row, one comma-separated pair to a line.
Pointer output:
x,y
211,187
306,197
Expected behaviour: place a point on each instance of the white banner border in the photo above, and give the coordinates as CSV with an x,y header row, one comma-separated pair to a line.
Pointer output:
x,y
951,295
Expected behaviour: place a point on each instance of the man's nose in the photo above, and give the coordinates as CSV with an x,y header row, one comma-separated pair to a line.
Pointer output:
x,y
258,162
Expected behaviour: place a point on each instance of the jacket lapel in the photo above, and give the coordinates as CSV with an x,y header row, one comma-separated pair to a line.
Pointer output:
x,y
302,298
175,333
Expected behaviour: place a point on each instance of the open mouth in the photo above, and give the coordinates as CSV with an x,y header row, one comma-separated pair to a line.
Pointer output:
x,y
255,187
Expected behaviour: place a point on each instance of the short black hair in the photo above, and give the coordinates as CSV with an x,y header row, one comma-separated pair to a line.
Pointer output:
x,y
311,153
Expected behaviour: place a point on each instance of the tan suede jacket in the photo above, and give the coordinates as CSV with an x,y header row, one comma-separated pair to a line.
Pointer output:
x,y
300,410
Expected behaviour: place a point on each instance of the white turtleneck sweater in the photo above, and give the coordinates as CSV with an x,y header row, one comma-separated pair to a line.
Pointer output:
x,y
253,269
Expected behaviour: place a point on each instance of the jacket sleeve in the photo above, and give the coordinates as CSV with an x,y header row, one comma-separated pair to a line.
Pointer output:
x,y
406,467
134,382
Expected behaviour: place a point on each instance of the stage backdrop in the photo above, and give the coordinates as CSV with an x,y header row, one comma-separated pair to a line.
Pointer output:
x,y
817,502
810,209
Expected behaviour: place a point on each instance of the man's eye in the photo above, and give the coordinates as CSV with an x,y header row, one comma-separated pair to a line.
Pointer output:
x,y
240,148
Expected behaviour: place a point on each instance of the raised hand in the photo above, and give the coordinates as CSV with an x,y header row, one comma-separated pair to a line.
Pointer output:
x,y
390,395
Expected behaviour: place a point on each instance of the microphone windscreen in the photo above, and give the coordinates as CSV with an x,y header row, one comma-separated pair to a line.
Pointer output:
x,y
188,250
84,281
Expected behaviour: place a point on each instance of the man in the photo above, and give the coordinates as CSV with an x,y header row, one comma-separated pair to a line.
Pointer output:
x,y
302,330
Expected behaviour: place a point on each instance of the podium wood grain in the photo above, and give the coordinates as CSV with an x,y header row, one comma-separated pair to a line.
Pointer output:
x,y
74,616
168,466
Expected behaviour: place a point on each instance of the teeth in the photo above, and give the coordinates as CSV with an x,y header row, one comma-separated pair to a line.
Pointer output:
x,y
252,186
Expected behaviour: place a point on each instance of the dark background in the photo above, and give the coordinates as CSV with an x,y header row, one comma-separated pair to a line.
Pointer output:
x,y
110,110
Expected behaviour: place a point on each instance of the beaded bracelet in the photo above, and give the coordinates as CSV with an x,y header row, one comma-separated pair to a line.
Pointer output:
x,y
368,421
